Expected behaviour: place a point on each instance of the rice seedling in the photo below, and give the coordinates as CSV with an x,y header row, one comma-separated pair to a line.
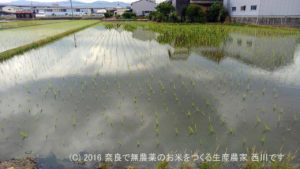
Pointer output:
x,y
279,117
281,110
295,117
182,84
157,142
138,143
54,92
74,122
189,114
162,165
37,117
28,88
23,134
248,87
193,82
267,128
263,140
156,123
258,119
70,91
207,102
156,131
244,96
274,107
54,123
263,91
211,129
223,121
191,130
244,140
230,130
162,86
176,131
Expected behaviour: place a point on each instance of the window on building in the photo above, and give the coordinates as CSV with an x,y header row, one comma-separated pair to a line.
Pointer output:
x,y
243,8
253,7
233,9
77,10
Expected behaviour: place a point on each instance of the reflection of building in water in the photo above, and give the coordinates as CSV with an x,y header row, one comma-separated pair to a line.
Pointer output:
x,y
143,35
267,53
179,54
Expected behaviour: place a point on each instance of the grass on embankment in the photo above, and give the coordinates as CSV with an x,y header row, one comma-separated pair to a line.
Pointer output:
x,y
22,49
18,24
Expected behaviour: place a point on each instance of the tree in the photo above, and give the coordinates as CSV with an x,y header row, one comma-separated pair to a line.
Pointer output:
x,y
216,13
165,8
195,13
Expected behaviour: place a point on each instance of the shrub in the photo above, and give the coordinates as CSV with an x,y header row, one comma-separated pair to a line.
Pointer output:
x,y
159,17
216,13
108,14
173,17
152,15
129,15
195,14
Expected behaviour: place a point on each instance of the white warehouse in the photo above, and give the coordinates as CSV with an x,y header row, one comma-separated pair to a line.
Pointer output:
x,y
274,12
143,7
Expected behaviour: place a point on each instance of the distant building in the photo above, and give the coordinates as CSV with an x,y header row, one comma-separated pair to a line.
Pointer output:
x,y
10,9
25,14
54,10
275,12
119,10
143,7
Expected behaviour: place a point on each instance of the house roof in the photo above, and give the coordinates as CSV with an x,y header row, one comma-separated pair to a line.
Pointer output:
x,y
143,0
22,12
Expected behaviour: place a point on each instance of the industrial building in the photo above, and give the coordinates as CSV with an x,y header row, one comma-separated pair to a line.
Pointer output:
x,y
269,12
23,11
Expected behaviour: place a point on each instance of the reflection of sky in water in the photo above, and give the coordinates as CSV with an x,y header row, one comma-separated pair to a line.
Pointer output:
x,y
96,84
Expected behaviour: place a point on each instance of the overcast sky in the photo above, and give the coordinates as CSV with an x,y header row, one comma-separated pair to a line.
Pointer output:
x,y
128,1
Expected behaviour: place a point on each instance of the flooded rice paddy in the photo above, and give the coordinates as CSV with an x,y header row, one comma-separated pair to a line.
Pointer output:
x,y
114,90
13,38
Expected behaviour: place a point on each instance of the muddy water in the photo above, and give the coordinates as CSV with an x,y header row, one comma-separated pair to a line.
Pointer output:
x,y
110,89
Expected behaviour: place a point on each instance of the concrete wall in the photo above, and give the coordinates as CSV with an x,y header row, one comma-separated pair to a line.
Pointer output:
x,y
141,6
268,20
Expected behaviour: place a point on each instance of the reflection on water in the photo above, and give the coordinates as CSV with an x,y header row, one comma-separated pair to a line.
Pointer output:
x,y
119,88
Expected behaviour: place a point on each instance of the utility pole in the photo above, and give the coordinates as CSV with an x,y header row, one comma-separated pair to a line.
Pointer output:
x,y
72,9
